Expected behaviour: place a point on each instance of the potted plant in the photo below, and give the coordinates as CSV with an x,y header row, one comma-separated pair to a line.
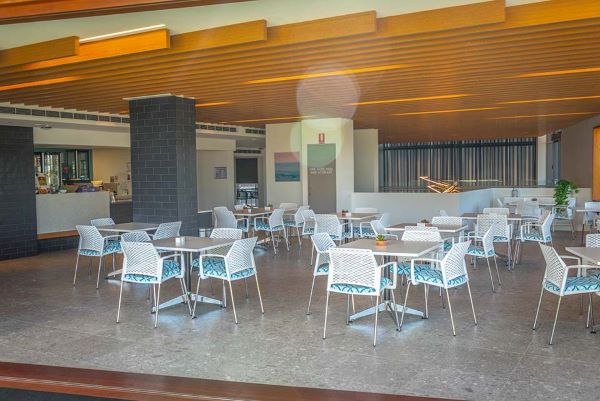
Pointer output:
x,y
269,207
563,190
344,211
380,240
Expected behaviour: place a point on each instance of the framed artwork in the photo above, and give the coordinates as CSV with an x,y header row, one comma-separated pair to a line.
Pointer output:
x,y
220,173
287,167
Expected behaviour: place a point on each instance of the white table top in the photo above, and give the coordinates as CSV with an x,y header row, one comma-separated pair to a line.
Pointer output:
x,y
259,211
191,244
443,228
356,216
589,210
129,227
409,249
510,217
588,254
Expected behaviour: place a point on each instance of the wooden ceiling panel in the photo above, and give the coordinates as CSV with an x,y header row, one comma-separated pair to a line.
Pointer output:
x,y
52,49
479,50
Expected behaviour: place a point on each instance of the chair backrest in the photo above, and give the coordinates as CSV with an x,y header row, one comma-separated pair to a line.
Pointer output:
x,y
288,205
499,221
105,221
453,265
421,235
276,218
592,241
168,230
442,212
496,210
141,258
377,227
548,218
421,227
227,233
499,202
135,236
529,209
589,217
322,243
224,218
353,267
556,269
240,255
328,223
90,238
308,215
299,215
447,220
385,219
487,239
365,210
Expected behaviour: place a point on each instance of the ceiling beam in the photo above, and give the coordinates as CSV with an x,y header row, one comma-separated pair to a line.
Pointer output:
x,y
52,49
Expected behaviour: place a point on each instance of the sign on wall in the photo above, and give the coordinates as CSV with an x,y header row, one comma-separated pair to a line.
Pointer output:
x,y
287,167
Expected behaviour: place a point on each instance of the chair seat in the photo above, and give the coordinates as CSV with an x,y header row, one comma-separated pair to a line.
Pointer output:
x,y
241,225
477,250
215,267
404,267
594,273
359,289
534,237
366,231
576,285
323,268
500,238
308,230
447,246
292,223
170,269
260,225
432,276
345,235
110,247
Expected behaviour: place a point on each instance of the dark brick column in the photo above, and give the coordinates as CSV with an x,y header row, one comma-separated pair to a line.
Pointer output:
x,y
163,161
18,224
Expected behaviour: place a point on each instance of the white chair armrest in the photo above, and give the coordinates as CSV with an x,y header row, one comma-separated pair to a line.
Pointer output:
x,y
571,257
117,236
394,275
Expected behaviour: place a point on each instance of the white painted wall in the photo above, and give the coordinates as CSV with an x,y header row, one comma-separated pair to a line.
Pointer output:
x,y
339,131
109,162
213,192
62,212
542,149
366,160
285,137
64,137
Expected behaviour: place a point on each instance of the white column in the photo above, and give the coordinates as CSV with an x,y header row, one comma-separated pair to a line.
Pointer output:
x,y
541,159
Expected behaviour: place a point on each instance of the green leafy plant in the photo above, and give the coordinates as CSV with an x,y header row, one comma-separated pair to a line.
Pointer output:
x,y
270,205
563,190
344,211
380,237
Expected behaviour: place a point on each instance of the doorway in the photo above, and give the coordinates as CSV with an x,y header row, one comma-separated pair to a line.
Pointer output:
x,y
246,181
321,178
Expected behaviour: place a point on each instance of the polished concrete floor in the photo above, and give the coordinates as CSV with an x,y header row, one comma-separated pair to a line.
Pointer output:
x,y
45,320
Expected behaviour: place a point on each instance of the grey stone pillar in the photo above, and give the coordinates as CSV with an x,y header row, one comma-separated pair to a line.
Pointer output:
x,y
163,161
18,223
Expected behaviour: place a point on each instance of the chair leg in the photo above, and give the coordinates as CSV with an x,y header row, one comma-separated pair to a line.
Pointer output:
x,y
587,322
299,238
246,285
196,298
376,316
326,308
555,319
472,305
426,292
572,229
224,295
404,308
287,243
99,269
120,297
76,265
490,270
395,310
537,312
186,298
497,272
157,305
262,309
450,310
273,241
232,302
312,287
348,310
312,255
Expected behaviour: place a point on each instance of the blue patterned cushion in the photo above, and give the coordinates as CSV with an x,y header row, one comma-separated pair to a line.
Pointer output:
x,y
404,267
345,235
366,231
242,225
477,250
262,225
531,236
308,230
110,247
359,289
429,275
500,238
576,284
292,223
447,246
594,273
215,267
170,268
323,268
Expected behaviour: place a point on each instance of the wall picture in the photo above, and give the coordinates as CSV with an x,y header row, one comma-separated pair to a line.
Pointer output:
x,y
287,166
220,173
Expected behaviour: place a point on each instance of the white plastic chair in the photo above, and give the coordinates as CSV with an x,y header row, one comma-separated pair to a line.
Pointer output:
x,y
237,264
564,213
330,224
496,210
499,202
322,243
483,247
143,265
224,218
364,229
446,221
297,223
167,230
590,217
226,233
592,240
536,231
273,224
104,221
355,272
378,229
136,236
449,272
502,230
93,244
529,210
557,281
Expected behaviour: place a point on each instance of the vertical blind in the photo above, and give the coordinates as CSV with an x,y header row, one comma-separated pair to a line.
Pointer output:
x,y
473,164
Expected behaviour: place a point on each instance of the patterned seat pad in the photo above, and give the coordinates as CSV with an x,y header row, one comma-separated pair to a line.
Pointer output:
x,y
359,289
215,267
477,250
429,275
534,237
404,267
576,284
366,231
170,268
110,247
261,225
323,268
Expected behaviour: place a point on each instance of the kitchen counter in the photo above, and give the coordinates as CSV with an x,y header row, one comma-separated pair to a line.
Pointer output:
x,y
61,212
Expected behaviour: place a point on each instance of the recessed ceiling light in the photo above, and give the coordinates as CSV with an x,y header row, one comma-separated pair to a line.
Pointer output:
x,y
328,74
122,33
38,83
409,99
556,99
559,72
544,115
444,111
212,104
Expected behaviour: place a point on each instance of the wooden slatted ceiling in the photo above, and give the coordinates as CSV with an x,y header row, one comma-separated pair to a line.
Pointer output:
x,y
446,56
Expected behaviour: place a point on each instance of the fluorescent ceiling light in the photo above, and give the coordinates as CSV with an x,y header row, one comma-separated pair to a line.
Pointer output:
x,y
444,111
38,83
265,119
560,72
212,104
544,115
556,99
409,99
328,74
121,33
